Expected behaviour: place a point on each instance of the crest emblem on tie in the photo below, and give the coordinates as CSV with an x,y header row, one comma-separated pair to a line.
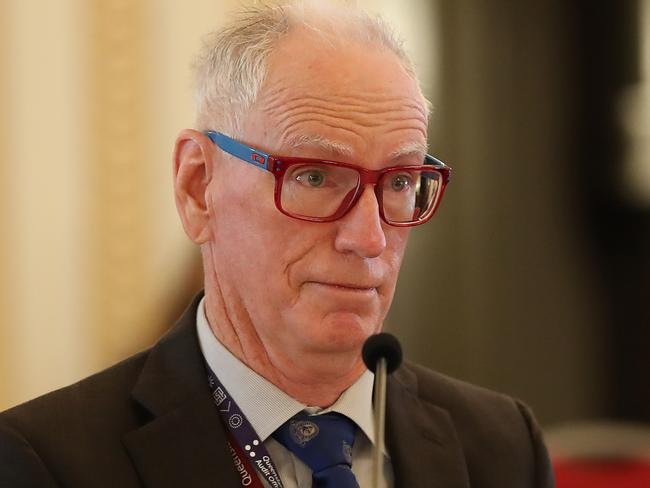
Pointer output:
x,y
302,431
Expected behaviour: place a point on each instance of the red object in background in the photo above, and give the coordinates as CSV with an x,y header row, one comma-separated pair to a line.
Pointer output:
x,y
602,474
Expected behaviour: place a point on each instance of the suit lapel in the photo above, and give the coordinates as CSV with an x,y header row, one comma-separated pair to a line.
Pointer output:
x,y
421,439
182,441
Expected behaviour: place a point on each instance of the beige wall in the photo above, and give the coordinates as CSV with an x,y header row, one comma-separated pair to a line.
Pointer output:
x,y
43,148
4,210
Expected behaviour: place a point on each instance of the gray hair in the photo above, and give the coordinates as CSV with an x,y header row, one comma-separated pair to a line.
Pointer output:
x,y
232,64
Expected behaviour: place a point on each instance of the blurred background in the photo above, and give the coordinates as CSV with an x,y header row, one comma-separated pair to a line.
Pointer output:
x,y
533,279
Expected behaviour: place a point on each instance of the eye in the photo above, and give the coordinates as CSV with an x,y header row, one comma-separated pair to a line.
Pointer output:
x,y
399,183
311,177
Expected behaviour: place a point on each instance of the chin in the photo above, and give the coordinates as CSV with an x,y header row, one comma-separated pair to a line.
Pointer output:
x,y
343,331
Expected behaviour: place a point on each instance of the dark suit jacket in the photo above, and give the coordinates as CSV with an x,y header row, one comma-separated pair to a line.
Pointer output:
x,y
150,421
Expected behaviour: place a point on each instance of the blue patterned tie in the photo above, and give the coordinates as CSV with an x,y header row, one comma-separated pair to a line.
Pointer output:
x,y
324,443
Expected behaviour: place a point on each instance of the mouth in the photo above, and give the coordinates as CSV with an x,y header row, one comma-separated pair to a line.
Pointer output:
x,y
345,287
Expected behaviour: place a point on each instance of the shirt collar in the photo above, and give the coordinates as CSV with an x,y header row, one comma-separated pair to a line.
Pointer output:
x,y
266,406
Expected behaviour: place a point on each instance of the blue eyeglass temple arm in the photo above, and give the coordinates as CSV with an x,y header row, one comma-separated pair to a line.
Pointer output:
x,y
239,150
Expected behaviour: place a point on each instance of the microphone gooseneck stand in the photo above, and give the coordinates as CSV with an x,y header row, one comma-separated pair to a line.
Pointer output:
x,y
382,355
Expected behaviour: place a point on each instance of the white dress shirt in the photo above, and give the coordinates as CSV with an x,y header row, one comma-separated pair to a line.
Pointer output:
x,y
267,407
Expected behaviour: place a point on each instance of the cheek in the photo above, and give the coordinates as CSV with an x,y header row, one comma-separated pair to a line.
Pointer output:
x,y
255,243
238,214
396,239
241,247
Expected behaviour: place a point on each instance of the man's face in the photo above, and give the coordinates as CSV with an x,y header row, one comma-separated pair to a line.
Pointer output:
x,y
314,287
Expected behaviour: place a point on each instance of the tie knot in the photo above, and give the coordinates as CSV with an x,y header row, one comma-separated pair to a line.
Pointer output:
x,y
322,442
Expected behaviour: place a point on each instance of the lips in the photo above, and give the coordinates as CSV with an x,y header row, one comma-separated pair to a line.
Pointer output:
x,y
345,286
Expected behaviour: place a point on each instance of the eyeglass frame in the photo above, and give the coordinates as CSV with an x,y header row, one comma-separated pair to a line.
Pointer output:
x,y
278,165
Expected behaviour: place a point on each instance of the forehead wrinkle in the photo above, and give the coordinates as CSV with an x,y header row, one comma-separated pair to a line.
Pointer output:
x,y
279,87
346,119
367,117
339,102
367,122
356,99
406,127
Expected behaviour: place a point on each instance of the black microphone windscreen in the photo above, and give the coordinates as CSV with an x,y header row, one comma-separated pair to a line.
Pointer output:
x,y
382,345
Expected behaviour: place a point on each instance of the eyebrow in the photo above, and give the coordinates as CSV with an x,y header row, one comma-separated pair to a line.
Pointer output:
x,y
410,148
321,142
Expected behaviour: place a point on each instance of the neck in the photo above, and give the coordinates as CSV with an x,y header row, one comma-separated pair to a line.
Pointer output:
x,y
314,379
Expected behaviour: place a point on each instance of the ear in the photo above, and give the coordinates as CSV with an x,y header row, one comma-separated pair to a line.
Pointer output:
x,y
192,175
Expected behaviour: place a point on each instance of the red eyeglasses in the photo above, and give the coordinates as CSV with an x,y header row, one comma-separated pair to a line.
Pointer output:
x,y
323,191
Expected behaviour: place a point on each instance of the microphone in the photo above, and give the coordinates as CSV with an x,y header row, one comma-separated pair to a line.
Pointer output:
x,y
382,355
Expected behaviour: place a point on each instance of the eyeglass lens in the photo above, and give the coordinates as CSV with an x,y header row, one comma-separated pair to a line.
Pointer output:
x,y
321,190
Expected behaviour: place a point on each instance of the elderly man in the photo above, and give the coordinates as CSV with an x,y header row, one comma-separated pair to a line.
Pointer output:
x,y
307,169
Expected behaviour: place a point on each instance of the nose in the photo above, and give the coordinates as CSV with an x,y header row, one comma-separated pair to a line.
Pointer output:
x,y
360,231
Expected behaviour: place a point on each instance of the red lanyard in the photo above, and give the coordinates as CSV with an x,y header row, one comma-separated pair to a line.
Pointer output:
x,y
243,467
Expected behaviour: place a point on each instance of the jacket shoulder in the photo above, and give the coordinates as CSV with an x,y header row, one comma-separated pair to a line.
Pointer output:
x,y
478,410
96,393
51,437
453,393
488,424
